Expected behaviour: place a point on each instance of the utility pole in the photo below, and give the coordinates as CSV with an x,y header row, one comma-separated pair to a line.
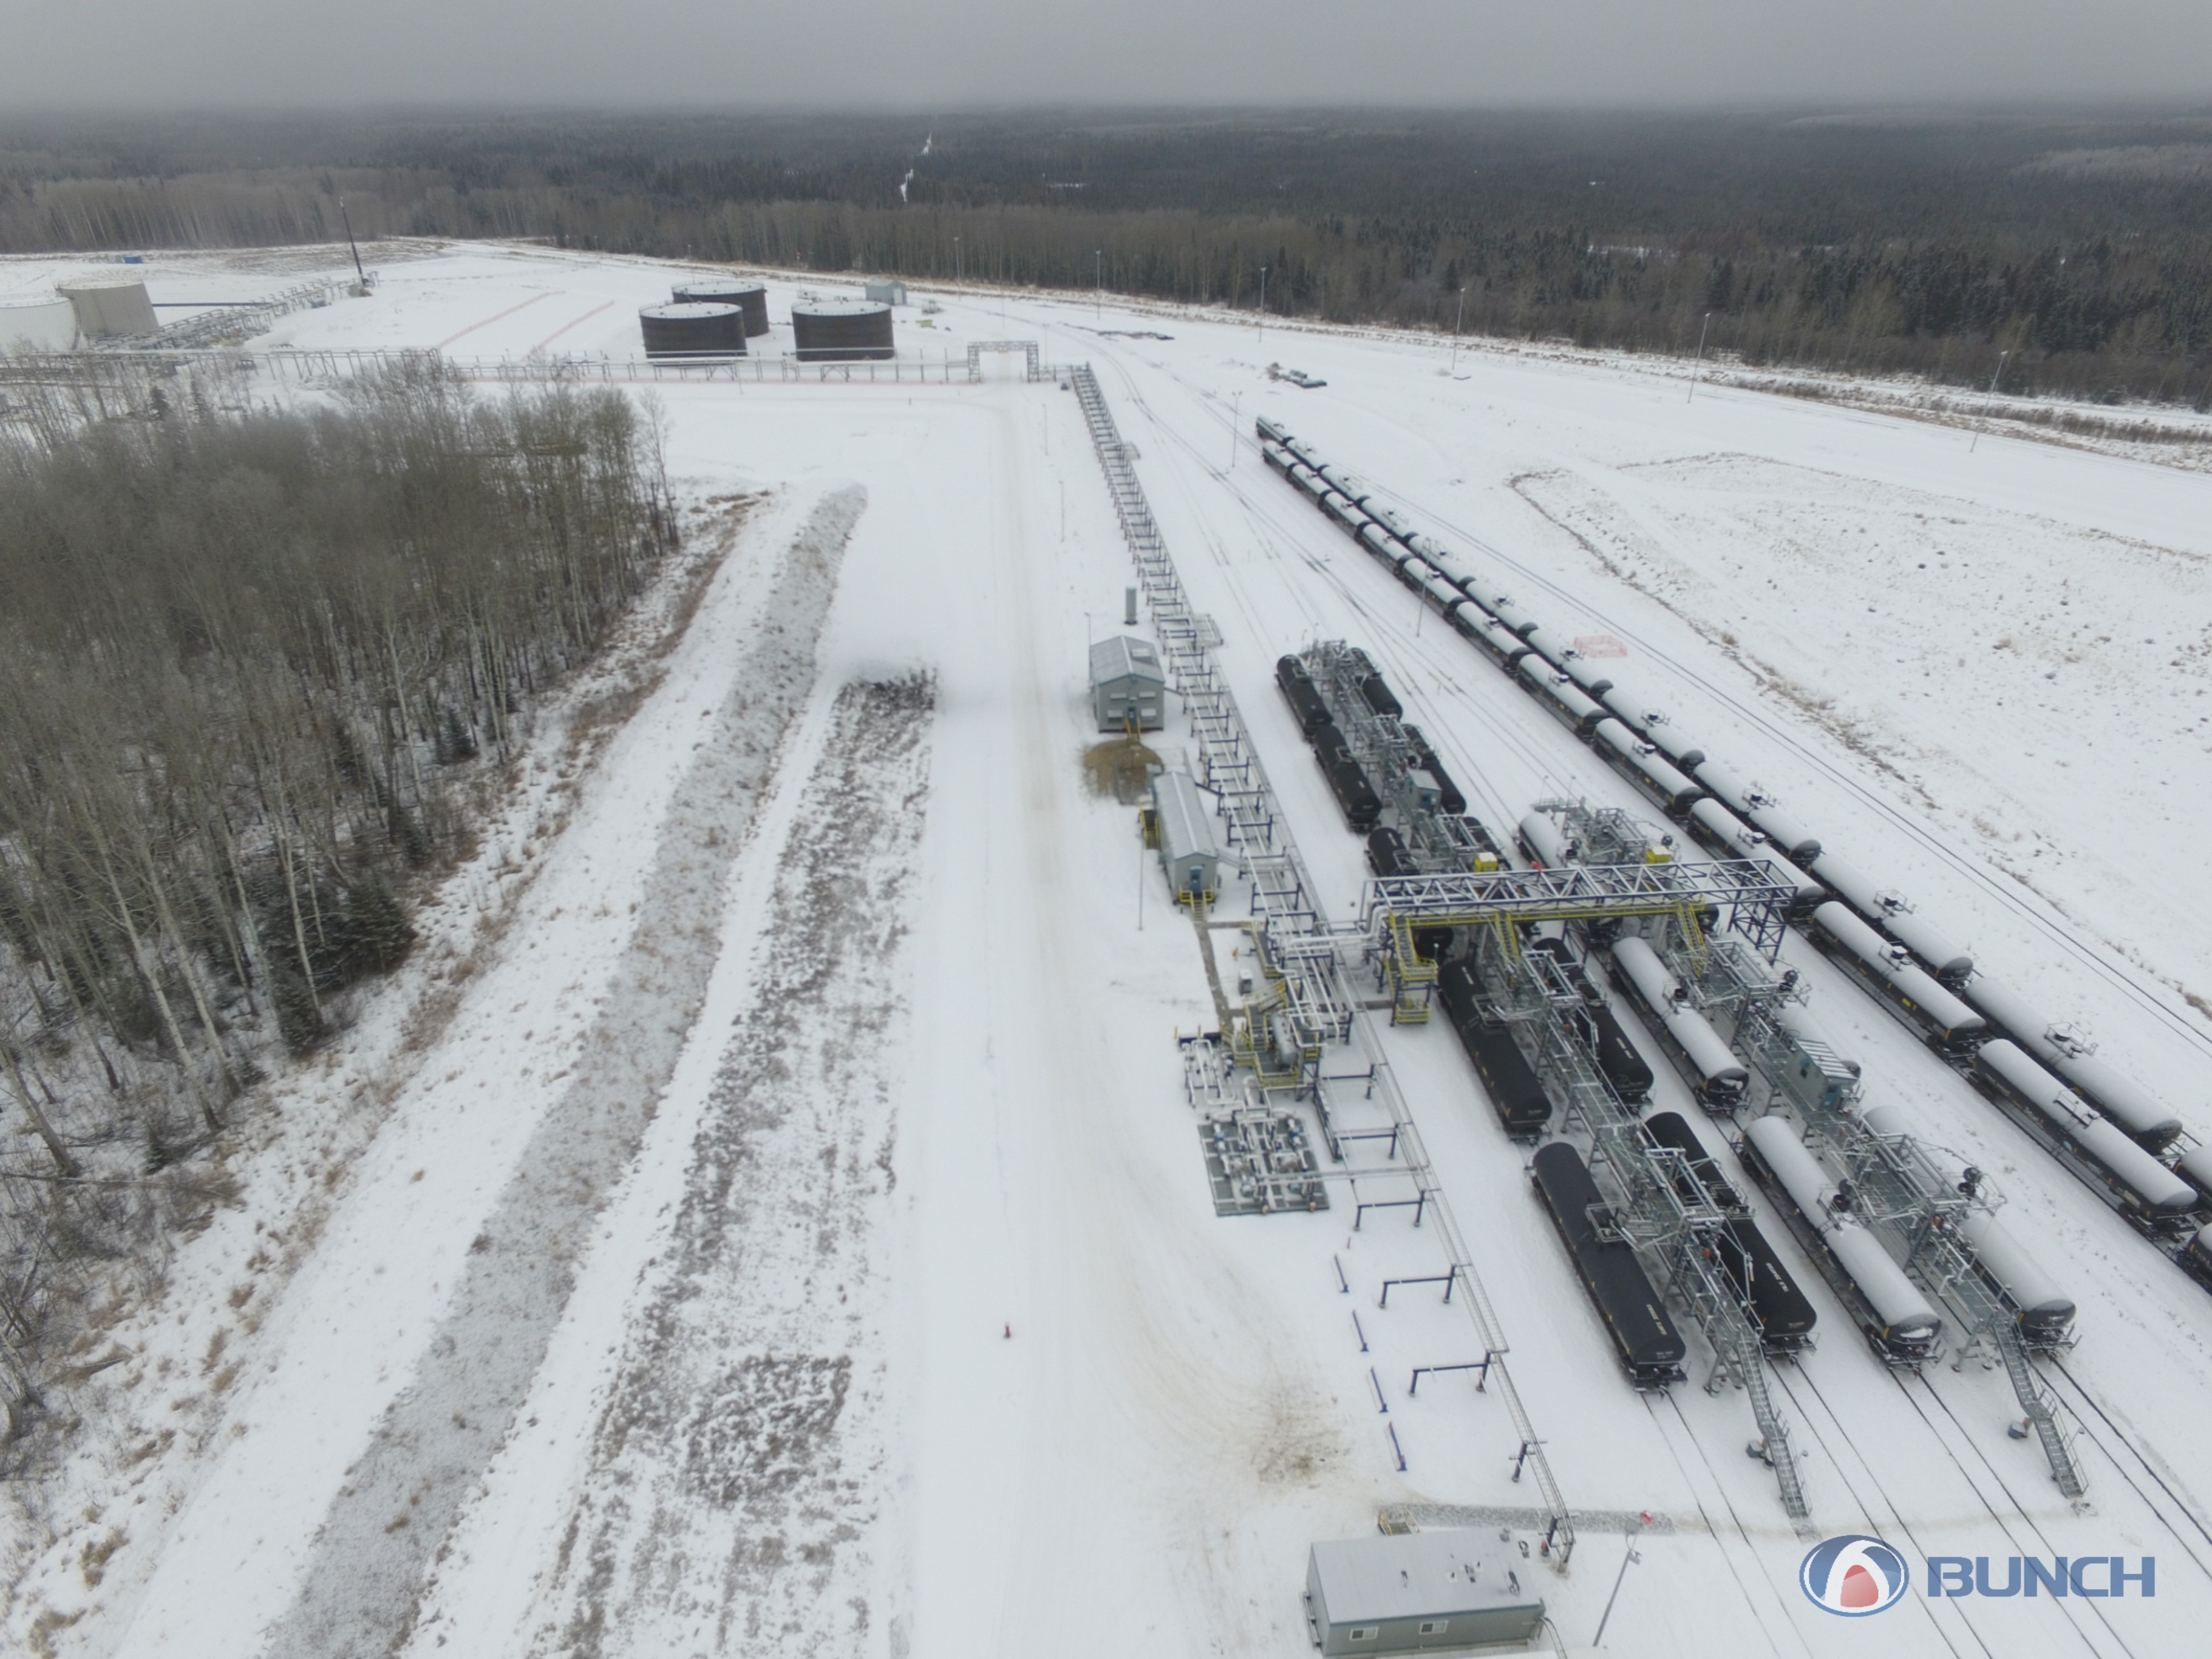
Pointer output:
x,y
1458,316
1700,363
1098,272
347,219
1993,379
1263,305
955,259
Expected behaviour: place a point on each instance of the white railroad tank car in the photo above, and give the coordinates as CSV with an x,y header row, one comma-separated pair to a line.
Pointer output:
x,y
1889,910
1946,1018
2145,1188
1898,1321
1718,1076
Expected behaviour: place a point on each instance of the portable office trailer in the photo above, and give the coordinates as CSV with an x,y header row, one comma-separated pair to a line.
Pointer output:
x,y
1188,852
1127,685
1417,1591
886,291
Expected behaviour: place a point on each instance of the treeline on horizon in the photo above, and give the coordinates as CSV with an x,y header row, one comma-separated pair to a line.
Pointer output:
x,y
257,672
2078,245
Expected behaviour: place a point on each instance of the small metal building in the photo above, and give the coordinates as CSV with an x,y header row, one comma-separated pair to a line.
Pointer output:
x,y
1412,1592
1127,684
886,291
111,311
1188,852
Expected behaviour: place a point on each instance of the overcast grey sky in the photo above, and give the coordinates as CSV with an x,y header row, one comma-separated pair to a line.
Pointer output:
x,y
963,52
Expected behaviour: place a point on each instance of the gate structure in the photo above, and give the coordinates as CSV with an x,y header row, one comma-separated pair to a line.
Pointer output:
x,y
1027,348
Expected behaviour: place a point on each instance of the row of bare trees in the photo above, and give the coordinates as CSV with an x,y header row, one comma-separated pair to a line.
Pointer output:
x,y
254,669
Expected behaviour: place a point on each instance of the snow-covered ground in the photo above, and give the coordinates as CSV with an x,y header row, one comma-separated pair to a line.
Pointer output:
x,y
794,1239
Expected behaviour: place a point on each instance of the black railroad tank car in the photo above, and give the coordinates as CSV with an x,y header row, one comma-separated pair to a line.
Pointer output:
x,y
1781,1313
1374,690
1650,1346
1672,1129
1386,854
1298,690
1516,1093
1618,1060
1347,779
1779,1309
1450,799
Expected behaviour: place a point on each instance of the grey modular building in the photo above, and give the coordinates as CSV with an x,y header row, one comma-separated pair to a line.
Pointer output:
x,y
1127,685
1188,852
1412,1592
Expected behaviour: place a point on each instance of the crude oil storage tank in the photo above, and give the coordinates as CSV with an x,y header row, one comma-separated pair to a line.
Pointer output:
x,y
750,298
1188,852
842,330
1127,685
693,329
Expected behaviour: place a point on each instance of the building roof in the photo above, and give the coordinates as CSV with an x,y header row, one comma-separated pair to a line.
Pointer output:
x,y
1418,1575
1185,825
1123,656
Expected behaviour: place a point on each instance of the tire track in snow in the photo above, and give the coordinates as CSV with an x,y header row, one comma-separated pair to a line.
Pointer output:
x,y
362,1588
734,1472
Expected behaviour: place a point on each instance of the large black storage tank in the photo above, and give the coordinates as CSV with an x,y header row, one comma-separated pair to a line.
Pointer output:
x,y
693,330
842,330
750,297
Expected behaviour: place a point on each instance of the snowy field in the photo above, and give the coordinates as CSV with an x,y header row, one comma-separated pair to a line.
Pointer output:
x,y
766,1216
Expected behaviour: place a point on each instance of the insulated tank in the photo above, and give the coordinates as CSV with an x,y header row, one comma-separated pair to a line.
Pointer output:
x,y
2044,1310
750,297
692,330
2120,1098
1951,1019
1545,842
1724,1076
1864,895
2155,1189
842,330
1904,1323
1785,831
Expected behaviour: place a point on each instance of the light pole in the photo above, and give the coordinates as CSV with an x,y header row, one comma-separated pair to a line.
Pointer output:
x,y
1235,407
955,259
1458,316
1993,379
1635,1526
1263,305
1098,274
1700,363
